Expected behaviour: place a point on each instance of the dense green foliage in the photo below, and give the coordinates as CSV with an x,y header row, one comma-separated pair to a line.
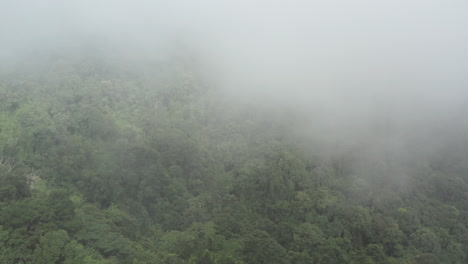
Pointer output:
x,y
104,165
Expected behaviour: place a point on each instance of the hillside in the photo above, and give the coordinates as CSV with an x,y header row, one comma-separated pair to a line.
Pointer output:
x,y
103,162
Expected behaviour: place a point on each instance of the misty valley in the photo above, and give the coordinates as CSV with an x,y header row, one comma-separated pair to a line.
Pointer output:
x,y
233,132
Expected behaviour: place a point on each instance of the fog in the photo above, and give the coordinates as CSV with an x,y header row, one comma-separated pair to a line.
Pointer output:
x,y
392,74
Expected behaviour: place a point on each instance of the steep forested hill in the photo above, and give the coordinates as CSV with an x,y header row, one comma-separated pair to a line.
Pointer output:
x,y
104,163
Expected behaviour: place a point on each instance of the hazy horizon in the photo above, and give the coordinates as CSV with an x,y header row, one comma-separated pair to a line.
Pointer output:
x,y
350,71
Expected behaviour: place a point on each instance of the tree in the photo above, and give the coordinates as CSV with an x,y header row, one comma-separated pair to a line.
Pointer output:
x,y
51,247
261,248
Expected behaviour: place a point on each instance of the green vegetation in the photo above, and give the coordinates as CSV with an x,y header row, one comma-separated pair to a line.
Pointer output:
x,y
99,164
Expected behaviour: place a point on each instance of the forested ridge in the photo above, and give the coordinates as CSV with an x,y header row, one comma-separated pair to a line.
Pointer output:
x,y
103,162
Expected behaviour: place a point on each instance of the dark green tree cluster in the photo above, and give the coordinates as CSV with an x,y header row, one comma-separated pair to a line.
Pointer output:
x,y
101,163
